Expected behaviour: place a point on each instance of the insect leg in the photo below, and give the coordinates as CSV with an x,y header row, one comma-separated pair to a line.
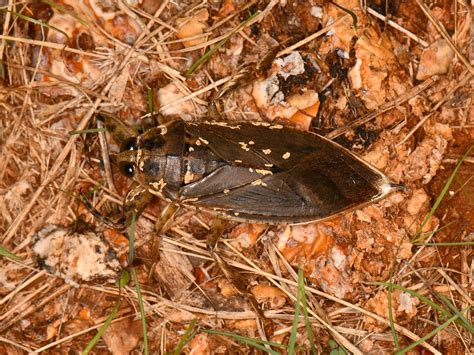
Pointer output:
x,y
161,226
167,214
135,202
217,228
107,221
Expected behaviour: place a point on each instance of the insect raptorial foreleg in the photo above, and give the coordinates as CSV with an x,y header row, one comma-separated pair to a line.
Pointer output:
x,y
217,229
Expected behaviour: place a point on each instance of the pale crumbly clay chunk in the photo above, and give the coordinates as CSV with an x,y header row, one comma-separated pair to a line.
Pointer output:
x,y
75,257
435,60
169,94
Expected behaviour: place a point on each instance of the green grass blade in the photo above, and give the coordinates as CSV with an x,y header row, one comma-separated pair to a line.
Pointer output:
x,y
294,329
66,11
131,239
4,252
255,343
102,329
447,244
427,234
304,306
353,15
429,335
462,320
122,281
37,22
186,338
149,100
443,193
142,309
218,45
417,295
90,130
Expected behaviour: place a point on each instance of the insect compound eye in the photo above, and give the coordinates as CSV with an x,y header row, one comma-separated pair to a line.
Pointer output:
x,y
127,169
130,144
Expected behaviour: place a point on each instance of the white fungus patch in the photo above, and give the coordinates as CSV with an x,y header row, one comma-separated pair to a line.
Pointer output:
x,y
75,257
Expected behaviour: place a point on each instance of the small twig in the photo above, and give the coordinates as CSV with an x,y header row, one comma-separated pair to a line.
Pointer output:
x,y
15,344
384,108
454,161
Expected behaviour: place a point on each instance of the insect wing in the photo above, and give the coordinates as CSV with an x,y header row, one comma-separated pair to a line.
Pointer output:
x,y
280,175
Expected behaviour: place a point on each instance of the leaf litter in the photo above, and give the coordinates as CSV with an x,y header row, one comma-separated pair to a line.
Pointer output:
x,y
106,57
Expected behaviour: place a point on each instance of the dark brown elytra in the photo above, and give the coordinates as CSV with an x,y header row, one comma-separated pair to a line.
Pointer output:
x,y
252,172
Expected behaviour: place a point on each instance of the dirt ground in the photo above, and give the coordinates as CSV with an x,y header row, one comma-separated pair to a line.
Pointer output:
x,y
390,81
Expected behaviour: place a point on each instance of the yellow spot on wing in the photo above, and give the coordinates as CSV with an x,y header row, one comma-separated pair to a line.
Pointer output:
x,y
244,146
277,126
286,155
190,199
258,182
266,151
263,171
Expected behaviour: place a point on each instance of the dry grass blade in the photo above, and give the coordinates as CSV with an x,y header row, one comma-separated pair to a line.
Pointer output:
x,y
313,36
430,334
53,46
